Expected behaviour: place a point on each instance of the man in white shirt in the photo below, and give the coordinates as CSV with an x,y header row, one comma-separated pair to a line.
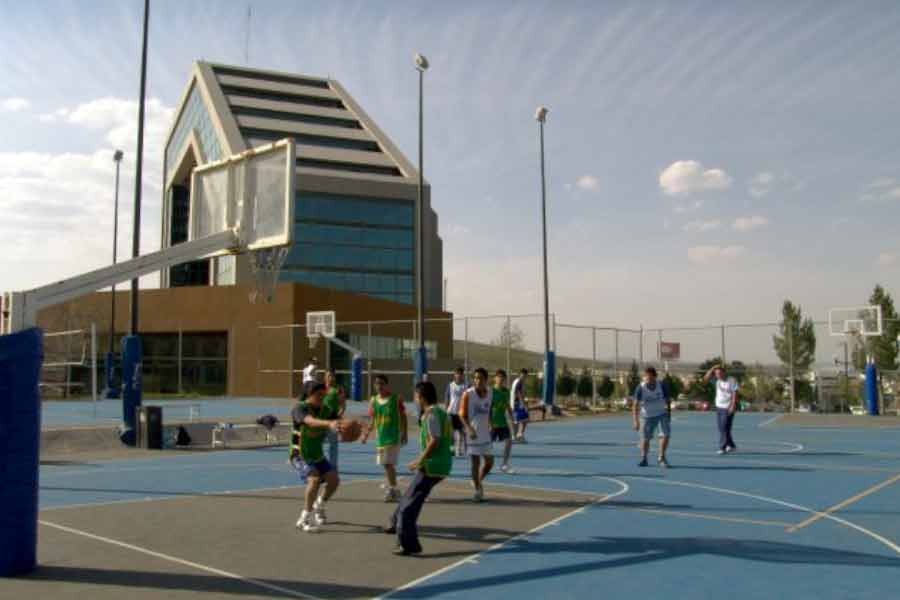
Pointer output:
x,y
452,399
309,371
726,404
519,406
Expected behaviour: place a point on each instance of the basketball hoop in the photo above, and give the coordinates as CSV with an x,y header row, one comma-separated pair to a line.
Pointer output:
x,y
319,324
266,265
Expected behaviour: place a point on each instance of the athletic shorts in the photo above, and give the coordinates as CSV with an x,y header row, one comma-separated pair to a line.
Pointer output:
x,y
483,449
520,415
649,424
322,467
500,434
457,423
387,455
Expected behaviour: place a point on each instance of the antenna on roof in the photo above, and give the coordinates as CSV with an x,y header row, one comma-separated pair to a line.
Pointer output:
x,y
247,41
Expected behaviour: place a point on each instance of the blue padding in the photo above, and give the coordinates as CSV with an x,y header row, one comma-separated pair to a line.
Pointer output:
x,y
549,377
421,362
872,388
356,377
132,357
21,356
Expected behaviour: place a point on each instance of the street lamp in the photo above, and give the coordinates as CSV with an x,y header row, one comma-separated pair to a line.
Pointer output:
x,y
540,116
421,361
112,391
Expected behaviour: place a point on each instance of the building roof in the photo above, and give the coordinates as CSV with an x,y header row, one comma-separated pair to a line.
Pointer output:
x,y
252,107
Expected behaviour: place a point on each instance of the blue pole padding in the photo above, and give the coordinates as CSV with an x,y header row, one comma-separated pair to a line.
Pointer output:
x,y
132,357
872,388
356,377
421,363
21,357
549,377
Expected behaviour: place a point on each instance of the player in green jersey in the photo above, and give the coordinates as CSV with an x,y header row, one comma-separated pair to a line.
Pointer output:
x,y
501,417
387,417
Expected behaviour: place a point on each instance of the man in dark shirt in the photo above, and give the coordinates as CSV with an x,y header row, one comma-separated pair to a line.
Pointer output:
x,y
312,421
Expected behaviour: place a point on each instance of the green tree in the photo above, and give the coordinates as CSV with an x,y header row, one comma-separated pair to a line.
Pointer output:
x,y
585,388
606,387
674,385
883,348
796,338
533,386
565,383
634,378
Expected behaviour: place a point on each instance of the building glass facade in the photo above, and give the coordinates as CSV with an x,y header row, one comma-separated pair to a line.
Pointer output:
x,y
194,118
352,243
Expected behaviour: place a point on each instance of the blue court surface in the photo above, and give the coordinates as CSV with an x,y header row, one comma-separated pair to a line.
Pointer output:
x,y
795,513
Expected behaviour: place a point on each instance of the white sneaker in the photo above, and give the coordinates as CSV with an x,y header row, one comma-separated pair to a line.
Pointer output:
x,y
478,496
318,515
720,452
306,524
507,469
391,495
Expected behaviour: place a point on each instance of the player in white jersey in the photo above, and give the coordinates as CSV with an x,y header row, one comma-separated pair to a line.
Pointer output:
x,y
726,404
309,371
519,406
653,400
475,412
452,399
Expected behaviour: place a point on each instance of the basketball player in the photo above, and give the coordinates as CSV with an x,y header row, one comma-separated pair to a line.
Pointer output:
x,y
475,412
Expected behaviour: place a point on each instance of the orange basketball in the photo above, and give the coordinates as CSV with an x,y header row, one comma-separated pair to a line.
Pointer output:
x,y
349,430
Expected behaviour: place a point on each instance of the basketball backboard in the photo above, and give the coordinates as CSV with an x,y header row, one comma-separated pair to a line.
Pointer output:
x,y
251,193
864,321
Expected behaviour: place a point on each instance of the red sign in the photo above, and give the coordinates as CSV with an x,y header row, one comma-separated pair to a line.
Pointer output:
x,y
669,351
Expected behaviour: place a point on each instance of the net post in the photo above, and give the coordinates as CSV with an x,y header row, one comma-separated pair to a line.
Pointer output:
x,y
593,365
94,367
790,334
508,345
466,345
180,354
291,362
724,360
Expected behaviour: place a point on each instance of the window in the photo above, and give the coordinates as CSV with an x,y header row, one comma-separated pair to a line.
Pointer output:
x,y
336,165
254,136
389,348
348,123
194,118
316,83
240,90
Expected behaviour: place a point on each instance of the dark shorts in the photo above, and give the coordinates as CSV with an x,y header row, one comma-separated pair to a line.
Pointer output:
x,y
322,467
500,434
520,414
456,422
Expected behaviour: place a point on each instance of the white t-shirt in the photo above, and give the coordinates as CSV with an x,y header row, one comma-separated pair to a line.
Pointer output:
x,y
725,391
652,401
517,393
309,373
454,396
479,415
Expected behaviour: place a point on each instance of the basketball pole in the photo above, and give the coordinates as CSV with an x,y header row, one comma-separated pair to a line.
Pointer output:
x,y
421,359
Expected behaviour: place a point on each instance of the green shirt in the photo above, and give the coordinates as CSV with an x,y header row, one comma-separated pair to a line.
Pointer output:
x,y
305,439
332,402
499,406
387,421
440,462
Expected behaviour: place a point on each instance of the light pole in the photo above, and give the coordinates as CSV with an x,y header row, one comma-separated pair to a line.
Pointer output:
x,y
132,348
421,366
549,358
112,391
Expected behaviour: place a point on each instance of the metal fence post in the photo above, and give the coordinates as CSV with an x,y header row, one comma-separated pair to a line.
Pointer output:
x,y
641,347
616,357
553,346
659,349
724,360
180,358
593,365
790,334
94,366
369,362
466,346
291,362
508,345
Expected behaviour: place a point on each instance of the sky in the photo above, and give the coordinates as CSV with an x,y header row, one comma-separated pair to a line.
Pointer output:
x,y
705,160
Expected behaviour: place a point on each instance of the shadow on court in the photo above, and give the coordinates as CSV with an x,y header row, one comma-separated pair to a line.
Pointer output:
x,y
626,551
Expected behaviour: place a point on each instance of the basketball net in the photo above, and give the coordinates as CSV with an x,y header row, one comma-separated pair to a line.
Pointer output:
x,y
266,264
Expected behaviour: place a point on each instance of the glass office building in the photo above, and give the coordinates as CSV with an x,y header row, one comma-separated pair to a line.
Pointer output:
x,y
356,192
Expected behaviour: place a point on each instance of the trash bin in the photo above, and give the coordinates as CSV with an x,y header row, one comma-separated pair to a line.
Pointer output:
x,y
149,427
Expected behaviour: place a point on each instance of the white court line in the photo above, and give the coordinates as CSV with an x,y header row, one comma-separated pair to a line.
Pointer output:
x,y
890,544
180,561
768,422
474,557
161,498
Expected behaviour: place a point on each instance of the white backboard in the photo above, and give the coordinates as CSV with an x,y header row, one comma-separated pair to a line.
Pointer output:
x,y
863,321
251,192
320,323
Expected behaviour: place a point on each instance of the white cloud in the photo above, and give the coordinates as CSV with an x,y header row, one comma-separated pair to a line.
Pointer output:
x,y
457,230
588,183
57,207
705,254
886,259
761,184
688,176
54,116
683,208
702,226
13,104
745,224
883,189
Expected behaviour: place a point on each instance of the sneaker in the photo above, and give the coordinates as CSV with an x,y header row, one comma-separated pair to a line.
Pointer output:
x,y
507,469
643,462
389,529
391,494
720,452
305,523
730,449
478,496
401,551
319,517
662,462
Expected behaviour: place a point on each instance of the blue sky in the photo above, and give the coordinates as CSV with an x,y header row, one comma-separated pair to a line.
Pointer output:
x,y
706,160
